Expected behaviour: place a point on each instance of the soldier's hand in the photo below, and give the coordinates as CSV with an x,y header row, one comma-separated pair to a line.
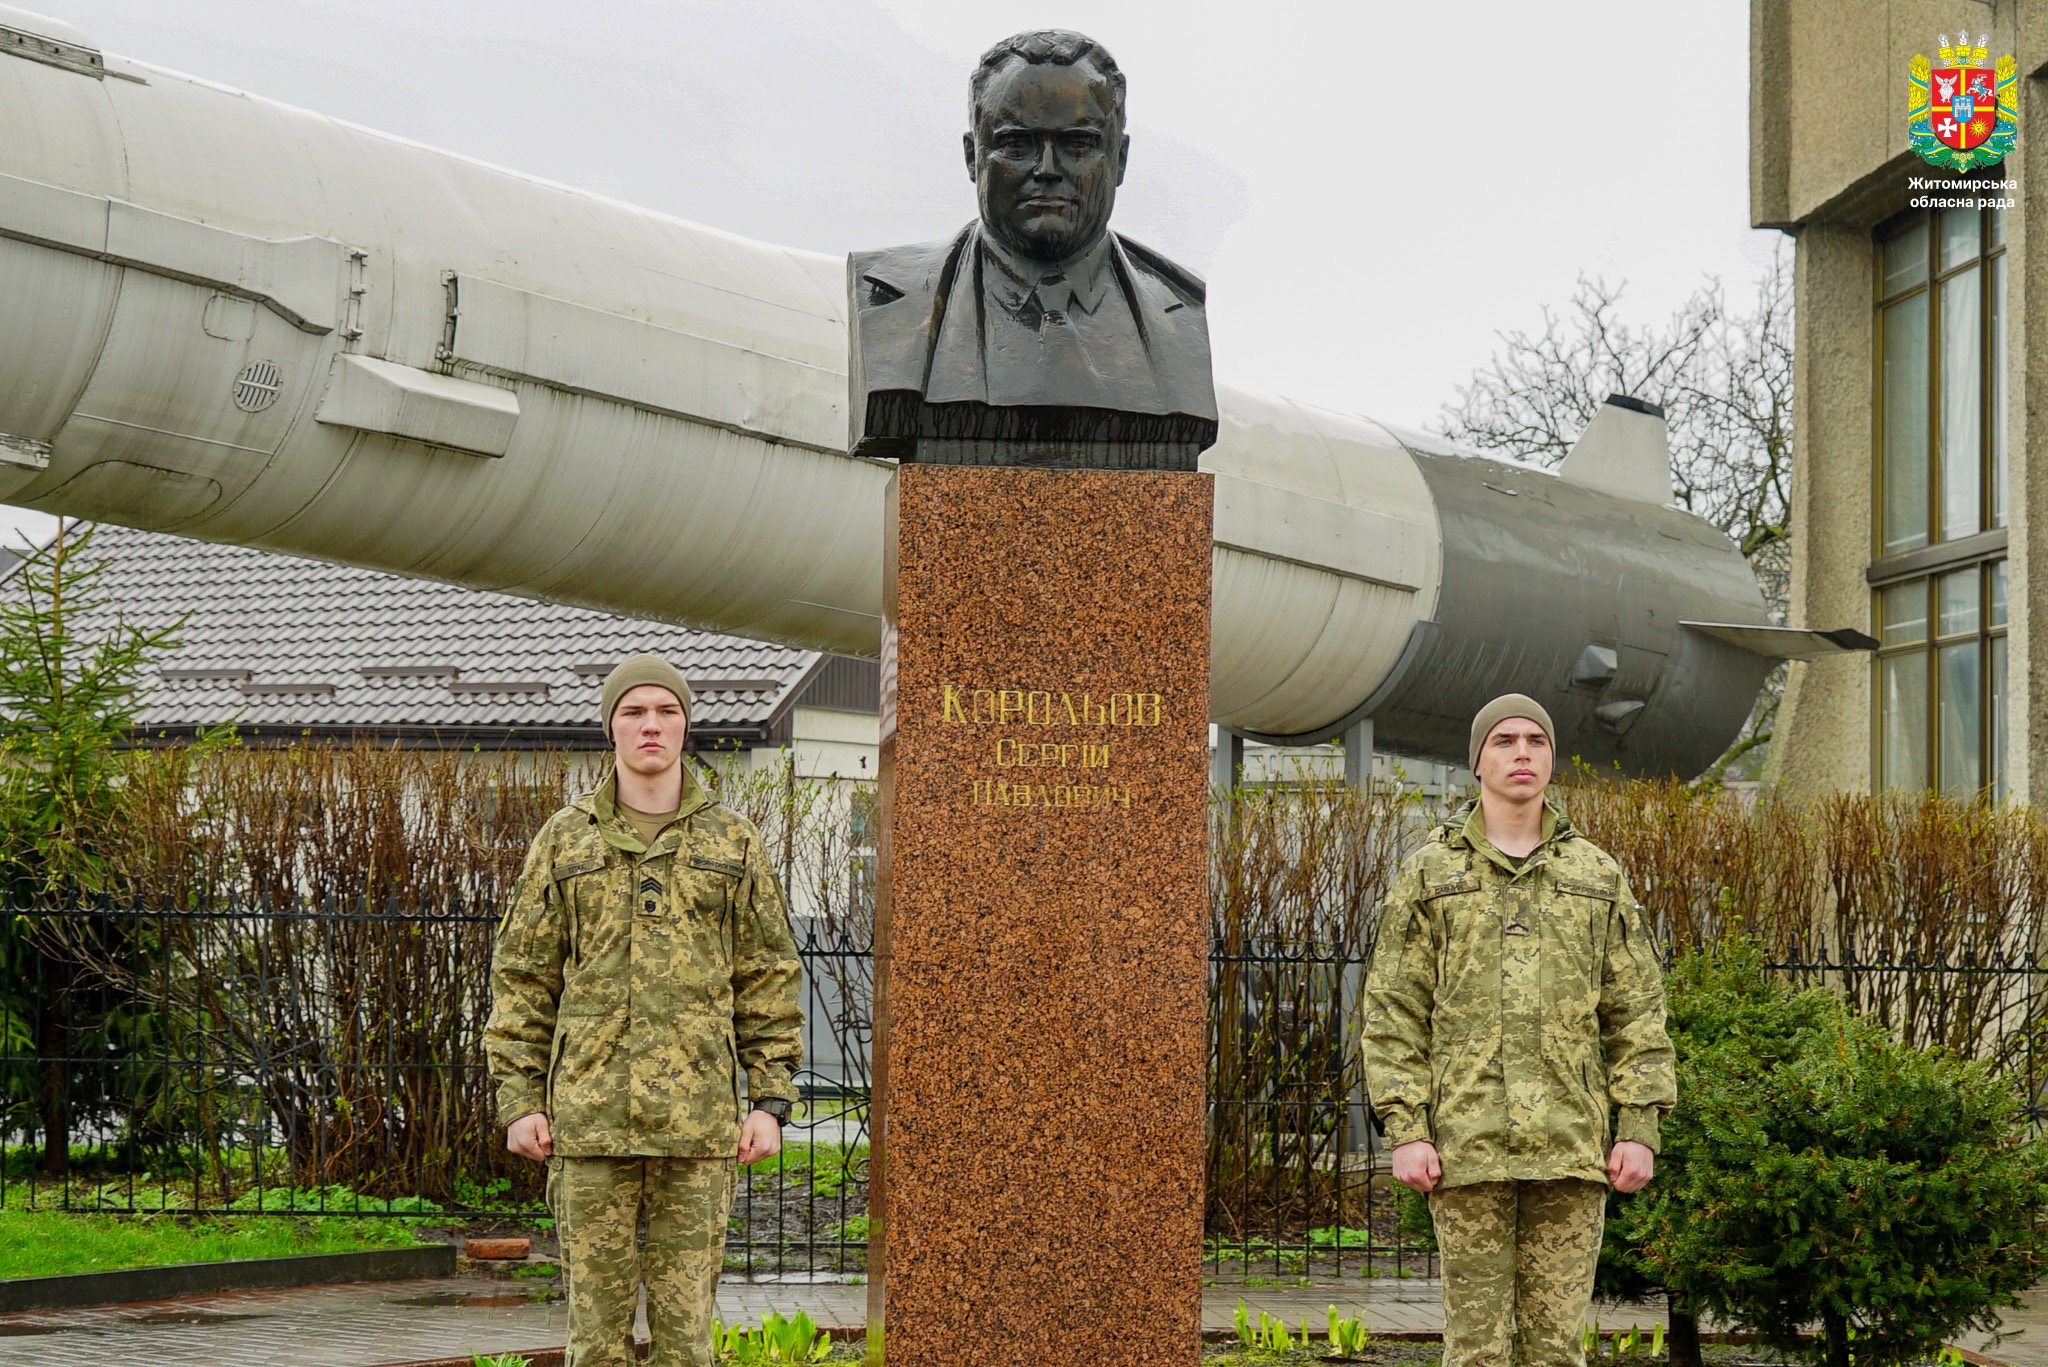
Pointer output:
x,y
1416,1165
530,1137
760,1137
1630,1166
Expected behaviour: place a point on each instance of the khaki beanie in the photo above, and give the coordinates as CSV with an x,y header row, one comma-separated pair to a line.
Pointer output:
x,y
635,670
1499,710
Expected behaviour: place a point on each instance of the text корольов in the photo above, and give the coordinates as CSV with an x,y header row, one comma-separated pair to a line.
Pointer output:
x,y
1047,707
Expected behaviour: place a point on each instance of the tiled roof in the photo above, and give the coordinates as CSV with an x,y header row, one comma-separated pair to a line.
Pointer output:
x,y
274,641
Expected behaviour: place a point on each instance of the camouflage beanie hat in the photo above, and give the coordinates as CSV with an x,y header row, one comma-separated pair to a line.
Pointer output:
x,y
1499,710
635,670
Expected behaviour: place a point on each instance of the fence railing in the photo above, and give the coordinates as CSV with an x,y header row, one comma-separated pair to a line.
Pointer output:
x,y
327,1061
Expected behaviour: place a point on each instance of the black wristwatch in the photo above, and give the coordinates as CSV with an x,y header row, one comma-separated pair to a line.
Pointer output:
x,y
776,1107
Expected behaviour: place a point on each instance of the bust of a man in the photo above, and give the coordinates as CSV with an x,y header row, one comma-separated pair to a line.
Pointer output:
x,y
1035,335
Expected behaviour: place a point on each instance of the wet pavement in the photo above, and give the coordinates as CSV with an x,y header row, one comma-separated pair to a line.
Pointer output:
x,y
376,1323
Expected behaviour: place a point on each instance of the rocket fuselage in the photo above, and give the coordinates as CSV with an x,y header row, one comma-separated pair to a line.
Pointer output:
x,y
235,320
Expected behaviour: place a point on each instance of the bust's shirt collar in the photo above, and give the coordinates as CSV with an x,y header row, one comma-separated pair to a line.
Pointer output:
x,y
1078,282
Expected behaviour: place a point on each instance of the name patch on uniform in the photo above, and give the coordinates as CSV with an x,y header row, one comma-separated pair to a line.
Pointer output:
x,y
563,872
705,861
1456,885
1585,890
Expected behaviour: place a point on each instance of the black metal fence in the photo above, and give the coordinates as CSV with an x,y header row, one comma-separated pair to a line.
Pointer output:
x,y
321,1060
326,1061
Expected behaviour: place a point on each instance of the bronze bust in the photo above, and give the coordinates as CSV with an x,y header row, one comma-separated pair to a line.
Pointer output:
x,y
1035,335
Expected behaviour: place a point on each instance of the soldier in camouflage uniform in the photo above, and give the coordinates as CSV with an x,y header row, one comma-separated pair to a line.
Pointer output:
x,y
645,959
1515,1009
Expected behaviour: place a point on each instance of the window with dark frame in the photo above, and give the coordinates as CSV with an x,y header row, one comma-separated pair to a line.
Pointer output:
x,y
1938,568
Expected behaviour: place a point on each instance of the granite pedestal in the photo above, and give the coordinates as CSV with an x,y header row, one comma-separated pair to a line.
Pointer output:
x,y
1041,939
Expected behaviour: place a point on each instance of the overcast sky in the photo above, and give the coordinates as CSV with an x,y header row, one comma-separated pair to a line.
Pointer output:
x,y
1373,191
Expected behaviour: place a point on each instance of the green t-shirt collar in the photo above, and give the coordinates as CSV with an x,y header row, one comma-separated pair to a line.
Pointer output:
x,y
619,832
1475,835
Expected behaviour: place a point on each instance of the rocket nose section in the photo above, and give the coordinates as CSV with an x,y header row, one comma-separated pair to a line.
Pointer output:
x,y
1625,451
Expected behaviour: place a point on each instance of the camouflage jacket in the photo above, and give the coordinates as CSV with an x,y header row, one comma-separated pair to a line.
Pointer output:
x,y
630,982
1510,1015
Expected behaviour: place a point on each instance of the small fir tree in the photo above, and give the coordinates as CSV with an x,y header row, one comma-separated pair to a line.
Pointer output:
x,y
67,704
1817,1171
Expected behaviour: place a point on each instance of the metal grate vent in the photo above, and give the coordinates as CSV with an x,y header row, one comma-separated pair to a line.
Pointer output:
x,y
256,387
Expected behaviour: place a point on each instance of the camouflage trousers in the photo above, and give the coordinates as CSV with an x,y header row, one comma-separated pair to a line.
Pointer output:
x,y
599,1205
1518,1260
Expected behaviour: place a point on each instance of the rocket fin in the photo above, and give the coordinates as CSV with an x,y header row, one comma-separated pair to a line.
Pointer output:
x,y
1785,643
1624,451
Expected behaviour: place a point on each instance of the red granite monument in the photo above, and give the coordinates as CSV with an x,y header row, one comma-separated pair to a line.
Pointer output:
x,y
1041,935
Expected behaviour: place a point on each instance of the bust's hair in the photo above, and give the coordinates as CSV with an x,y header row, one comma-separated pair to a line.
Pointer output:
x,y
1045,47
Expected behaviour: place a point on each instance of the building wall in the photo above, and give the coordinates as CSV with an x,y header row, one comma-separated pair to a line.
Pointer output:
x,y
836,744
1828,96
1829,163
826,744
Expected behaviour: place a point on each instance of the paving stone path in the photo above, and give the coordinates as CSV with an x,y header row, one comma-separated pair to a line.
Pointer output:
x,y
370,1324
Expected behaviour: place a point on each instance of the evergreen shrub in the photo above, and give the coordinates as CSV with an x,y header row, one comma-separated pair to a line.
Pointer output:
x,y
1819,1172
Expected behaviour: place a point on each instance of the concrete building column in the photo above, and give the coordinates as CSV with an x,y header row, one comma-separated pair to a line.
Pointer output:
x,y
1358,753
1226,759
1822,741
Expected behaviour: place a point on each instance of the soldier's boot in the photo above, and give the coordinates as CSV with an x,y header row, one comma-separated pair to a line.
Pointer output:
x,y
688,1202
1557,1253
1475,1240
596,1205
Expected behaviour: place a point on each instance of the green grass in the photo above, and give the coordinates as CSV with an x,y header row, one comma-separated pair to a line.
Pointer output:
x,y
50,1243
828,1168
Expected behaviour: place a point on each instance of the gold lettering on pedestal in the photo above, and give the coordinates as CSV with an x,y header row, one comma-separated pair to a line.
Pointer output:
x,y
990,792
1031,754
1117,712
1047,707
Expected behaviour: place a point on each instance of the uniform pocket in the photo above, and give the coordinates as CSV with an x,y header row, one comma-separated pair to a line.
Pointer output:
x,y
1468,955
712,884
1465,1113
589,1071
1573,924
1574,1116
584,885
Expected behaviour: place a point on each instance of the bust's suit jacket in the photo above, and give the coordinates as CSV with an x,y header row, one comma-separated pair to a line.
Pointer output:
x,y
901,299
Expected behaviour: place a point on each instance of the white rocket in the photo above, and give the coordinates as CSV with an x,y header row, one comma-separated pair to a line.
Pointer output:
x,y
231,319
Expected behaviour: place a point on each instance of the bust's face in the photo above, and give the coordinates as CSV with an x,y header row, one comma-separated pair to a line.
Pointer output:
x,y
1047,155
